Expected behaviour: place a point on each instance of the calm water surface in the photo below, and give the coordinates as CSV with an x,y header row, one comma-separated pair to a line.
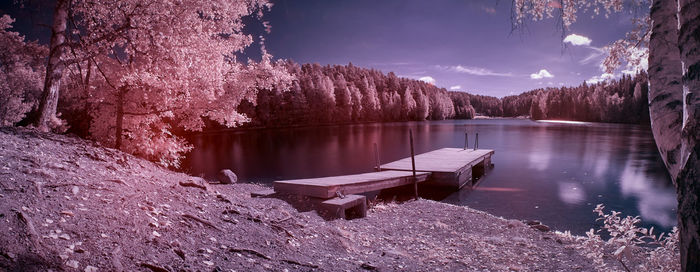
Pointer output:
x,y
552,172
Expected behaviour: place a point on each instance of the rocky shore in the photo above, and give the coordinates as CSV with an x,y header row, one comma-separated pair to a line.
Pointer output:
x,y
67,204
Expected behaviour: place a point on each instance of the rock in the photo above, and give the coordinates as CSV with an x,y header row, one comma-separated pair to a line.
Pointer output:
x,y
223,198
180,253
368,266
195,182
67,213
154,268
72,264
226,176
90,268
533,222
541,227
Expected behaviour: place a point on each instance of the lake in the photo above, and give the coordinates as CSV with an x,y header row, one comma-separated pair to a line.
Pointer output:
x,y
552,172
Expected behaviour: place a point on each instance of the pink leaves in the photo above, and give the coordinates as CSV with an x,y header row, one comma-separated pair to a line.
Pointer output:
x,y
541,9
173,61
21,74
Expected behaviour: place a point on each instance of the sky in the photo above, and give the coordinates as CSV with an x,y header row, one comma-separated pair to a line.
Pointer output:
x,y
459,45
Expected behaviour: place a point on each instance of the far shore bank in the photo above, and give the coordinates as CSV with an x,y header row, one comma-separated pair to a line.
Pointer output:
x,y
297,126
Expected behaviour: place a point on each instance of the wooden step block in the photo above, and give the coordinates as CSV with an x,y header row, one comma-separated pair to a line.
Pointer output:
x,y
340,207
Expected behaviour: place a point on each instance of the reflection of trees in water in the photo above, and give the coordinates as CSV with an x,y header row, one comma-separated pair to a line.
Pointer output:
x,y
540,149
655,202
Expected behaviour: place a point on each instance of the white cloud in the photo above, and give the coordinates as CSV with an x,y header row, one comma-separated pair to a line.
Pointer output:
x,y
600,78
427,79
576,39
541,74
477,71
455,87
595,56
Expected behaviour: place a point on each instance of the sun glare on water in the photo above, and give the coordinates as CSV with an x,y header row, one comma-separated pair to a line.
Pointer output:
x,y
564,122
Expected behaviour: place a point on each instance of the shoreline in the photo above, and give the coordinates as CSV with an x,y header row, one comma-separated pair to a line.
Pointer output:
x,y
297,126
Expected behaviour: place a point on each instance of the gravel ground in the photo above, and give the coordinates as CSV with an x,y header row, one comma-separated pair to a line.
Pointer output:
x,y
67,204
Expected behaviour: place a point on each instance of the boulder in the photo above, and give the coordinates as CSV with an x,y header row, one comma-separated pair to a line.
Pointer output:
x,y
195,182
227,176
533,222
540,227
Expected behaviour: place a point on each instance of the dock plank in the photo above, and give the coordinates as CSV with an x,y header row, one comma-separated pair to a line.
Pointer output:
x,y
327,187
441,160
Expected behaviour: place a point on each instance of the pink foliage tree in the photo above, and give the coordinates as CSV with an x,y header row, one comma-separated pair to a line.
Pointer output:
x,y
21,73
148,68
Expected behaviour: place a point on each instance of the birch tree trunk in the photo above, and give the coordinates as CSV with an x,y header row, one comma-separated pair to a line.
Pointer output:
x,y
674,71
665,83
688,185
54,67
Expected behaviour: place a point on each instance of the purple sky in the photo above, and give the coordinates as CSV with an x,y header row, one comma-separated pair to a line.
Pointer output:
x,y
457,43
461,45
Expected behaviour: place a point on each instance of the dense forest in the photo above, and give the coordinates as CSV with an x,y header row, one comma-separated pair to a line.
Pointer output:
x,y
618,101
350,94
346,94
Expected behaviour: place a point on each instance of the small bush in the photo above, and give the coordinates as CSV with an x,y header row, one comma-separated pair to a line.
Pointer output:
x,y
633,247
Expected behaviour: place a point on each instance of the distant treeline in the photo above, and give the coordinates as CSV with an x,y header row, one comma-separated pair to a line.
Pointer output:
x,y
618,101
348,94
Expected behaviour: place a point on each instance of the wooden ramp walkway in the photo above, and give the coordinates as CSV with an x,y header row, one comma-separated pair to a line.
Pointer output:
x,y
451,167
328,187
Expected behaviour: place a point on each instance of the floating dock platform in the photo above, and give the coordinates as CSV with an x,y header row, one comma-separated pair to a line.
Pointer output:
x,y
449,167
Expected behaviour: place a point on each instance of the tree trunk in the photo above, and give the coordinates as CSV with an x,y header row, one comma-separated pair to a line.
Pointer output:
x,y
688,190
120,118
54,67
688,185
665,88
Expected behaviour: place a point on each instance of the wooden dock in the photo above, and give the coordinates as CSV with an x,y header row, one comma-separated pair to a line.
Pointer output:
x,y
449,167
337,195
